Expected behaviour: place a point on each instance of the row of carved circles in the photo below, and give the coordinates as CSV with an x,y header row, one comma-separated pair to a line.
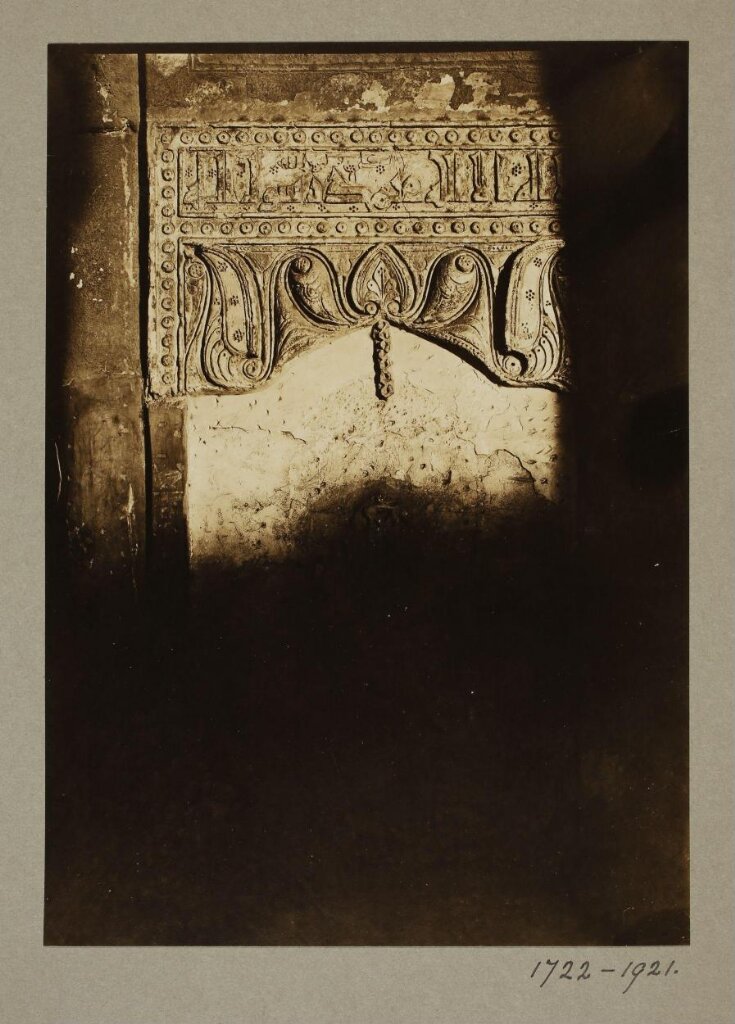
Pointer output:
x,y
402,226
166,306
358,136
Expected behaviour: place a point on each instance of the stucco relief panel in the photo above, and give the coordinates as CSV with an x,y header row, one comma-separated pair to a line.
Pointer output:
x,y
267,238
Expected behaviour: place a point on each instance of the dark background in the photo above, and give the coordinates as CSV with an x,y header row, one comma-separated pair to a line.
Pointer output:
x,y
481,739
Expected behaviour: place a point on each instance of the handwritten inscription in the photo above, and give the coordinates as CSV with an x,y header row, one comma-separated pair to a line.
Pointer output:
x,y
569,970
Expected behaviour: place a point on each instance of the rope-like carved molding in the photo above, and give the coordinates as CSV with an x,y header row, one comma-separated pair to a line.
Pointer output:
x,y
266,239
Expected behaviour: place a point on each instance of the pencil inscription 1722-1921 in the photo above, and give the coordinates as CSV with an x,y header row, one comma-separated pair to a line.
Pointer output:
x,y
570,970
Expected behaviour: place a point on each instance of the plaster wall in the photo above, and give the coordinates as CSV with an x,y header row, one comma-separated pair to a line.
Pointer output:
x,y
314,450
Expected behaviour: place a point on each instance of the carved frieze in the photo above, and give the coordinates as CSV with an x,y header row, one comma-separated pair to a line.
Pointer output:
x,y
266,238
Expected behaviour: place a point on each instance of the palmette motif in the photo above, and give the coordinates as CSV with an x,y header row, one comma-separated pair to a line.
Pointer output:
x,y
237,290
240,325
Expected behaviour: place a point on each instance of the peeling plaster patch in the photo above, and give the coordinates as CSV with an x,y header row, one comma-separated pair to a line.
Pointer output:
x,y
531,106
374,98
111,121
105,95
211,90
261,465
125,127
435,94
483,87
502,112
169,63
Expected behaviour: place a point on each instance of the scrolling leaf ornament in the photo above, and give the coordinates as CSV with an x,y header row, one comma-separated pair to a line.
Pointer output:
x,y
242,322
535,350
308,303
229,344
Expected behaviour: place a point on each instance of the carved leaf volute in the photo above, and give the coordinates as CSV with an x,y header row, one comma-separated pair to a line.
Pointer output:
x,y
233,348
534,335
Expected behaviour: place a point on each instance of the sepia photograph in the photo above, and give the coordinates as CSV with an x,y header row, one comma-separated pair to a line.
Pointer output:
x,y
366,496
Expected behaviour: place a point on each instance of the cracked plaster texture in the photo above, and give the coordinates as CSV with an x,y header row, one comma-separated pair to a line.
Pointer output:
x,y
291,459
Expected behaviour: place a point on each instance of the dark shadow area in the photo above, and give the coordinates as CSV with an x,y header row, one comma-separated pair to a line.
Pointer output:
x,y
95,455
476,735
400,738
622,110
